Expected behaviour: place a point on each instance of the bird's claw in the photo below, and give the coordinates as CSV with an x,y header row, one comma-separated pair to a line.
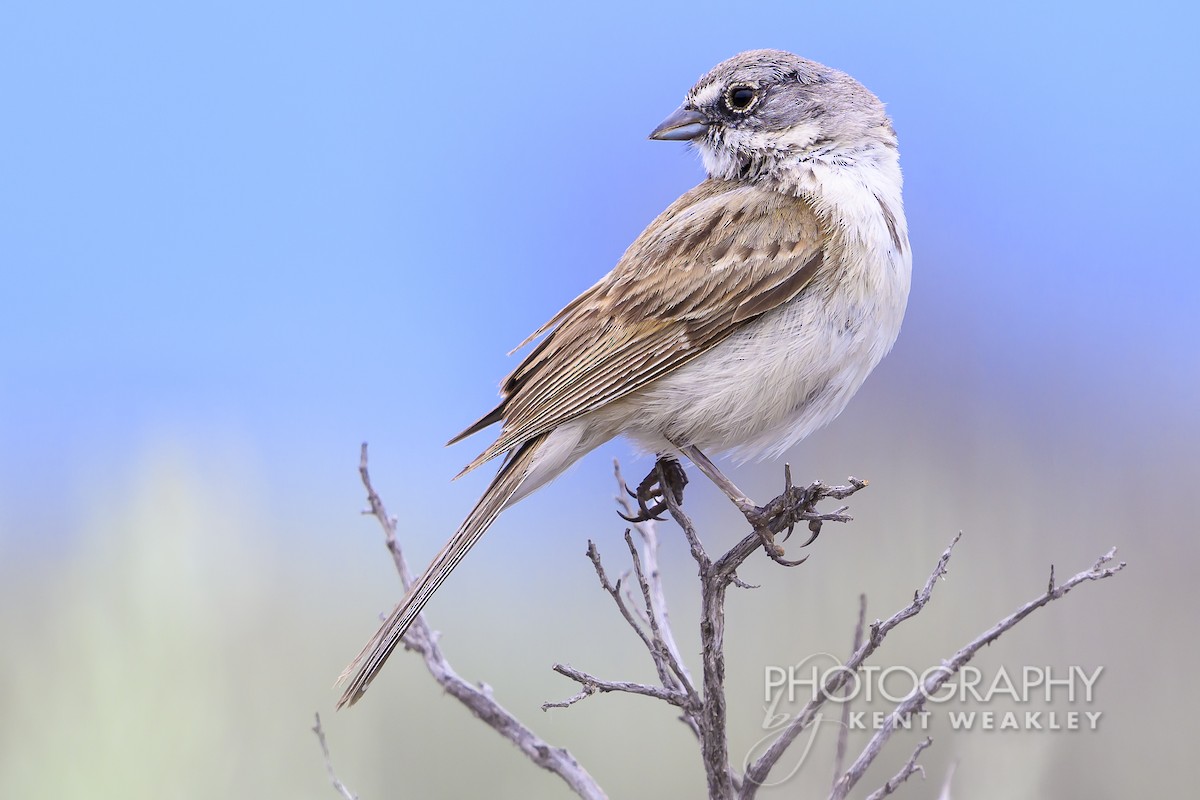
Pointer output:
x,y
650,495
781,515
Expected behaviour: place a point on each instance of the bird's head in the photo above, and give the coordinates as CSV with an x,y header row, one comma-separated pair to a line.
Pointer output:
x,y
764,111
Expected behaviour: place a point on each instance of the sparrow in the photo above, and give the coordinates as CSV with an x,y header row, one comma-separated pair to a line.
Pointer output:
x,y
741,320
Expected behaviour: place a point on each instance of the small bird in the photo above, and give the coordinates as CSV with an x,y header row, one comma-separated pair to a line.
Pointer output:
x,y
741,320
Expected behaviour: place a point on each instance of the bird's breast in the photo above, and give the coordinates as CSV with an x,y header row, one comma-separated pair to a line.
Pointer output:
x,y
779,377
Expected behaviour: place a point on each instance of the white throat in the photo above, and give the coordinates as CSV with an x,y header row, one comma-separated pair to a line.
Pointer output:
x,y
844,182
862,191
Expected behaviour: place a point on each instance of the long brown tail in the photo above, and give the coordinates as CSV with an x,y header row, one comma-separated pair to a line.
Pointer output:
x,y
376,652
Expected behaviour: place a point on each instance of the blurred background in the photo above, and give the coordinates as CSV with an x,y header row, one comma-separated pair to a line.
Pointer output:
x,y
237,240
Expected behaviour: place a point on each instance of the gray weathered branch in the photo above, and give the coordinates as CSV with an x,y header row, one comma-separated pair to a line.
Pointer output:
x,y
757,772
421,638
905,772
915,701
641,601
336,782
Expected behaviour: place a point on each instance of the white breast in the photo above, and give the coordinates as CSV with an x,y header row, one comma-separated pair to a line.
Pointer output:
x,y
794,369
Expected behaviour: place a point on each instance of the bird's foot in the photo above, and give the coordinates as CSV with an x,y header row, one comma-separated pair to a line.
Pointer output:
x,y
781,515
651,492
772,523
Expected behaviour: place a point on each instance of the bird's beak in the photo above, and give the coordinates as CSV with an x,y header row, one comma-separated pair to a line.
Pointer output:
x,y
682,126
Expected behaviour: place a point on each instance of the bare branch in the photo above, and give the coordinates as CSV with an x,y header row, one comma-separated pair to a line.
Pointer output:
x,y
663,653
757,772
671,673
714,743
614,591
653,578
587,691
794,505
704,710
388,523
915,701
630,600
906,771
592,684
839,759
338,786
477,699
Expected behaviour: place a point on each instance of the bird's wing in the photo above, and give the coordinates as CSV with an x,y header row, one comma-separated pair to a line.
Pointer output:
x,y
719,256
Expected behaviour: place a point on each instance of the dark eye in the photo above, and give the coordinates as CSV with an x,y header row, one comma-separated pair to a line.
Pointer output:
x,y
740,97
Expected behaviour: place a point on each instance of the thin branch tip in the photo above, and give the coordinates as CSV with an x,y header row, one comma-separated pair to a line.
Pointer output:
x,y
640,598
334,781
478,698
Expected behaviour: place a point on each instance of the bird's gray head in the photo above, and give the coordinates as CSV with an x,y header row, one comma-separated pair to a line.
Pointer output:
x,y
764,111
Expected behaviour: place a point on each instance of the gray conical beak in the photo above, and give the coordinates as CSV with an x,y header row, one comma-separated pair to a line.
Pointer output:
x,y
682,126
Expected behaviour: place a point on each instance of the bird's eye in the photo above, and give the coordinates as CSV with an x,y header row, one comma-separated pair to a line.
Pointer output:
x,y
741,97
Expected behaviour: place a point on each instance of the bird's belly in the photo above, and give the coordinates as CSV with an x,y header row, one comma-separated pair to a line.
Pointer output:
x,y
768,385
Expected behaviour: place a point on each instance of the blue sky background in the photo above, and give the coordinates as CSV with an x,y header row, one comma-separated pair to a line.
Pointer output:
x,y
238,239
306,224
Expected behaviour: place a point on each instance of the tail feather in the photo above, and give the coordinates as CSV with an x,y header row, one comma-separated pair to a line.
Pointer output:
x,y
487,420
373,656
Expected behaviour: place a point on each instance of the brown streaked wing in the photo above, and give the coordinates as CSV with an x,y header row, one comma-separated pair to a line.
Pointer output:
x,y
791,286
720,255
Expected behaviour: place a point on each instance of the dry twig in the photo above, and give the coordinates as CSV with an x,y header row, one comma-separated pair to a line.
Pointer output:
x,y
338,786
703,709
900,777
716,576
477,699
704,713
839,758
756,773
915,701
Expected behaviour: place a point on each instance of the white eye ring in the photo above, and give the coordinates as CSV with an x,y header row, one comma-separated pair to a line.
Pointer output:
x,y
740,105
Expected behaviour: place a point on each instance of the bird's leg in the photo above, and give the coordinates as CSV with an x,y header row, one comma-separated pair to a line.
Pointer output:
x,y
650,494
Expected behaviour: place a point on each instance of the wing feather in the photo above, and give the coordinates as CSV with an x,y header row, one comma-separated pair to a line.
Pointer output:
x,y
722,254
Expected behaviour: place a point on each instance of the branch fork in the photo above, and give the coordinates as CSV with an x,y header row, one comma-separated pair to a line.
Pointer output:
x,y
640,599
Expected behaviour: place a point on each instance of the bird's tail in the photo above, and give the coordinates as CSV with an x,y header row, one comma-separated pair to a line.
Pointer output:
x,y
367,663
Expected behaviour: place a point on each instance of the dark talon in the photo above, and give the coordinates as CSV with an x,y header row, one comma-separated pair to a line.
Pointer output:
x,y
649,495
781,516
778,559
646,516
814,529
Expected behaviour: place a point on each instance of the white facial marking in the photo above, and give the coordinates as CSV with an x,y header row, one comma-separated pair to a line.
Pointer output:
x,y
708,95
